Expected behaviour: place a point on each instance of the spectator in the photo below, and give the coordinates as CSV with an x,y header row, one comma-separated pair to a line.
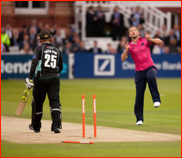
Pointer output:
x,y
179,50
124,38
58,39
76,44
136,18
121,47
25,40
15,37
82,49
53,30
166,50
5,39
158,35
34,25
177,32
40,26
117,24
171,36
53,42
110,49
164,32
173,45
22,33
91,20
142,20
47,27
141,30
158,49
100,21
161,48
38,43
72,35
68,48
95,49
9,31
32,38
3,48
26,49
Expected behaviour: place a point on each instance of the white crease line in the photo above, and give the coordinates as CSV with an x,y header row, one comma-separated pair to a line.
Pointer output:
x,y
12,139
45,138
169,136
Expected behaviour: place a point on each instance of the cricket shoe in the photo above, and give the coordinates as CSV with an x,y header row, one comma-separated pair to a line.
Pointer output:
x,y
139,123
57,130
157,104
36,131
52,128
30,126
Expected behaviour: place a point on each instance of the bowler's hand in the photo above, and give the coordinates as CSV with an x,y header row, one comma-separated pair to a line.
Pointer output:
x,y
127,47
148,37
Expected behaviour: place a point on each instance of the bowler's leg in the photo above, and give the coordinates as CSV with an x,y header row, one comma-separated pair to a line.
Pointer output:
x,y
140,90
151,74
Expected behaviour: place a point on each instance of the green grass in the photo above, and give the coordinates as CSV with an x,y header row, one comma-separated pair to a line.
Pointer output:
x,y
134,149
115,108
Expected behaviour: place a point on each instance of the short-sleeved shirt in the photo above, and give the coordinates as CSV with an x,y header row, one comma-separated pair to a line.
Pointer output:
x,y
141,55
47,61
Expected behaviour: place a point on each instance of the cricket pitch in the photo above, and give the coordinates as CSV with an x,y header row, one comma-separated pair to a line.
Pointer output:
x,y
16,130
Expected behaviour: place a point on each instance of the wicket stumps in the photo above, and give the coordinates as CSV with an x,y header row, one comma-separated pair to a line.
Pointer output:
x,y
94,112
83,115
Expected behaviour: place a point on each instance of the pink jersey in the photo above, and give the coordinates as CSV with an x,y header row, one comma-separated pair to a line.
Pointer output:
x,y
140,53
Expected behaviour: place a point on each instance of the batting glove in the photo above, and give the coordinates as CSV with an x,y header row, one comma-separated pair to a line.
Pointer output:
x,y
29,83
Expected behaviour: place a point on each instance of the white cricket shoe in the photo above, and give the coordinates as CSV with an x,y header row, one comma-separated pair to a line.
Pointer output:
x,y
157,104
139,123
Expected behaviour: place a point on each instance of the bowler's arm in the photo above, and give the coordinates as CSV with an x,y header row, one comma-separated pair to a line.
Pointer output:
x,y
156,41
124,56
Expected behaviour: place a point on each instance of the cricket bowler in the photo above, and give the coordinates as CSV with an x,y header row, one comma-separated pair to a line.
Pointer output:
x,y
145,70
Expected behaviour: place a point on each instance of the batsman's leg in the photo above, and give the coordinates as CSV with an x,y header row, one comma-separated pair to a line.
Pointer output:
x,y
53,94
39,94
33,114
37,113
52,127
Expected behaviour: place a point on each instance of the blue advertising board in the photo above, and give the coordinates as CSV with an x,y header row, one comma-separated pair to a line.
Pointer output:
x,y
111,66
18,66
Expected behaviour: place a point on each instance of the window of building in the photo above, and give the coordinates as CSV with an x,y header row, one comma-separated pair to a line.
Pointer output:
x,y
31,7
21,4
38,4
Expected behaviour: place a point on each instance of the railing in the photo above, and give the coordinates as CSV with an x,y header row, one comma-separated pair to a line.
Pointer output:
x,y
154,18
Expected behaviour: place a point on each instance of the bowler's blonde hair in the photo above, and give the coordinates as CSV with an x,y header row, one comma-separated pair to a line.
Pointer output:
x,y
132,27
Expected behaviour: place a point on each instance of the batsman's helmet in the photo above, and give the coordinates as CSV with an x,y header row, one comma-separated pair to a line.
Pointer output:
x,y
45,34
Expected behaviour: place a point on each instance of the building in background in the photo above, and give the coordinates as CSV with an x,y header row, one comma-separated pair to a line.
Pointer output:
x,y
19,13
64,13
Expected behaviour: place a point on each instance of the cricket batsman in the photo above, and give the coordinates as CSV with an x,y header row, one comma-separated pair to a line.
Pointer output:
x,y
47,63
145,70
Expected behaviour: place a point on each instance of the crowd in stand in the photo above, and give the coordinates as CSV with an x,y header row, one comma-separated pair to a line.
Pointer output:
x,y
95,22
26,39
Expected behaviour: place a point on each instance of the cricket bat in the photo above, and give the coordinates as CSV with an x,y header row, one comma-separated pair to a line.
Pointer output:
x,y
22,103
